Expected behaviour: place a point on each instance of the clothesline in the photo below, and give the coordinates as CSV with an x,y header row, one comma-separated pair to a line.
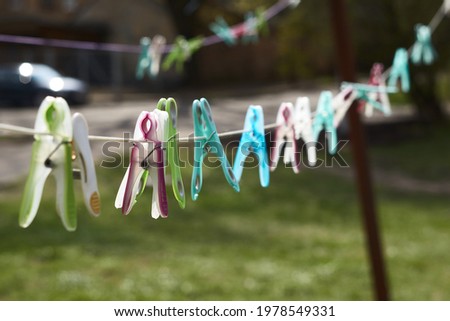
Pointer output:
x,y
274,10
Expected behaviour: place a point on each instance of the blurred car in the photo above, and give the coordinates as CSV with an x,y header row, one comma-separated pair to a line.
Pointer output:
x,y
29,84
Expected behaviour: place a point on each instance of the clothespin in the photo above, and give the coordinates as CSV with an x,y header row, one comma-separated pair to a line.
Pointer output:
x,y
223,31
341,104
285,134
422,50
254,24
377,79
324,120
294,3
207,140
150,57
85,160
253,140
303,127
400,70
446,6
181,51
52,154
170,106
151,127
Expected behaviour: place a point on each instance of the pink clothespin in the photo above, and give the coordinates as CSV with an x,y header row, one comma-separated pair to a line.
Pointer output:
x,y
151,127
285,134
376,79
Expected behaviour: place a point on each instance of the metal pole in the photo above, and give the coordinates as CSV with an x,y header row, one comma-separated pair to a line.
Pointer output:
x,y
346,64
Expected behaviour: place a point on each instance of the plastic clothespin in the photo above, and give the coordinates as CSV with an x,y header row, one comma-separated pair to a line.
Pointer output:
x,y
342,102
400,70
181,51
85,160
150,57
52,154
285,134
207,140
170,106
324,120
254,24
253,140
422,50
151,127
294,3
303,127
223,31
376,79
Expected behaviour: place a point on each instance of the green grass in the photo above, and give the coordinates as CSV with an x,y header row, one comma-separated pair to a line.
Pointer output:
x,y
300,239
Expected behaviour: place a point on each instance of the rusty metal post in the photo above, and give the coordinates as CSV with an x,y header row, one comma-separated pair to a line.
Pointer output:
x,y
346,65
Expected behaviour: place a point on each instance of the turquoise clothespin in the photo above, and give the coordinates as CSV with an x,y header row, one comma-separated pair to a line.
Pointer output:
x,y
423,51
182,51
207,140
253,140
400,70
223,31
144,61
324,120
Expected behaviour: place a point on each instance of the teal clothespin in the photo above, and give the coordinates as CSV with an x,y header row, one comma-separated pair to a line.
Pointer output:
x,y
182,51
207,140
223,31
325,120
144,58
400,70
423,51
253,140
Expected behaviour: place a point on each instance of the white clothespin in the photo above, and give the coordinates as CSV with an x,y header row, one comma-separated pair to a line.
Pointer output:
x,y
52,154
303,127
285,134
341,104
86,164
447,6
145,161
156,50
294,3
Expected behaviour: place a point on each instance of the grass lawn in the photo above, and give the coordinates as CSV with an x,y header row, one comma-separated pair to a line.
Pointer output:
x,y
300,239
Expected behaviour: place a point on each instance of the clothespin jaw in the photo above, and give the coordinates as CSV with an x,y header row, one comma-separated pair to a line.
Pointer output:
x,y
223,31
144,60
285,135
170,106
182,51
51,154
400,70
253,140
151,127
324,120
85,159
207,140
422,50
303,127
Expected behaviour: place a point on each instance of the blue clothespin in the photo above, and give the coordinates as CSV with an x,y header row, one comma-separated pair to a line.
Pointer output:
x,y
207,140
253,140
324,120
223,31
400,70
250,34
423,51
144,58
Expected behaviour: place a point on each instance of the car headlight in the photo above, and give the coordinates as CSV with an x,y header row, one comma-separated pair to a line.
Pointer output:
x,y
56,84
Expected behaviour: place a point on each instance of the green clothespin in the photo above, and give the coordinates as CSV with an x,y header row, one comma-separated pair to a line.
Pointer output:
x,y
51,154
170,106
182,51
223,31
255,23
144,60
400,70
423,51
324,120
